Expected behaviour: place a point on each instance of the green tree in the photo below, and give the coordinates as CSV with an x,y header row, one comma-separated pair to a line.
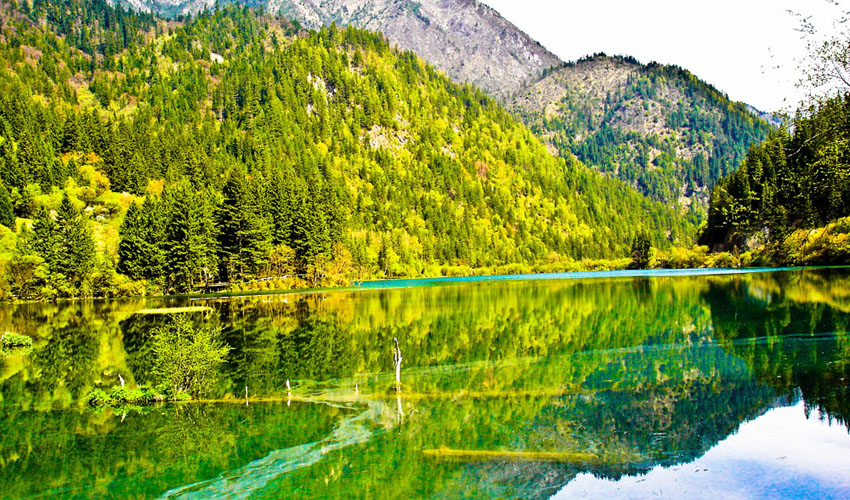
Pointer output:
x,y
189,242
640,251
131,255
75,244
7,209
27,271
187,356
45,237
245,234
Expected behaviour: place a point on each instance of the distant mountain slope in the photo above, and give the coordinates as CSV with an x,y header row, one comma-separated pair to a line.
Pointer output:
x,y
468,40
659,128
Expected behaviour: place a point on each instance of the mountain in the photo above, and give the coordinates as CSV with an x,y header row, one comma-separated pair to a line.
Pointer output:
x,y
236,146
658,128
468,40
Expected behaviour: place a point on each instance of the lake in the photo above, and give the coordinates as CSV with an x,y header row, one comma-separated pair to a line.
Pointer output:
x,y
672,385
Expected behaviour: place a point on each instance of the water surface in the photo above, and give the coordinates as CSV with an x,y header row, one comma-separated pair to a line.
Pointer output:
x,y
626,386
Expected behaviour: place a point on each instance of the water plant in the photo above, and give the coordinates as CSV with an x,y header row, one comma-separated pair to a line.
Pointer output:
x,y
14,342
120,396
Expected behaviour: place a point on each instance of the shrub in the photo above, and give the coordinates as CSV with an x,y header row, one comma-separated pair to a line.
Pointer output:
x,y
10,341
186,357
120,396
97,398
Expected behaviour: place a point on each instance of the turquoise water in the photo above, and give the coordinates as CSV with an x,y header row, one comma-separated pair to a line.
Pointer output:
x,y
633,273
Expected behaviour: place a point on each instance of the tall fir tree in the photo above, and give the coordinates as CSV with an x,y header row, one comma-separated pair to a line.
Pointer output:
x,y
245,232
131,254
189,243
45,237
75,243
7,210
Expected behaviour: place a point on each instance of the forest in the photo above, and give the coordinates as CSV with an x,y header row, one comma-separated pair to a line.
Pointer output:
x,y
791,194
139,155
235,149
657,127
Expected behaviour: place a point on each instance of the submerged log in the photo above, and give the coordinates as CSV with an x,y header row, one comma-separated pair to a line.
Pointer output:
x,y
453,455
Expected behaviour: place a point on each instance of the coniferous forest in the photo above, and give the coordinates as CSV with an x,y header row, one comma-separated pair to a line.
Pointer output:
x,y
236,146
147,155
659,128
791,194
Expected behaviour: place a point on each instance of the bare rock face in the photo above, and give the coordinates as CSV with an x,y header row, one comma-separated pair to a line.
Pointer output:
x,y
167,7
466,39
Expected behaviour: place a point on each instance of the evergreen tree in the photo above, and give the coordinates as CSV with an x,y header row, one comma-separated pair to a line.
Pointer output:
x,y
640,251
245,232
132,258
45,238
75,243
27,270
7,210
189,243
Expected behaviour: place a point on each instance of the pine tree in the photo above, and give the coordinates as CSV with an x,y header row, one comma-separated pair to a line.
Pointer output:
x,y
245,232
131,253
75,243
189,243
640,251
7,211
27,271
45,237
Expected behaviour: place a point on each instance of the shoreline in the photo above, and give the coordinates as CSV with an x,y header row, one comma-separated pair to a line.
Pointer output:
x,y
400,283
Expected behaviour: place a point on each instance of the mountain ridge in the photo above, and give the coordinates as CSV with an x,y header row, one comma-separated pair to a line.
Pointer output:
x,y
468,40
473,43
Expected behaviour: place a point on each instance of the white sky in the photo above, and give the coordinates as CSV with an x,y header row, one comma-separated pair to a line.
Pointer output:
x,y
746,48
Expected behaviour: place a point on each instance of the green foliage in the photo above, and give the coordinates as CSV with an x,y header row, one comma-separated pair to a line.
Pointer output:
x,y
74,245
7,210
828,245
327,155
14,342
640,251
187,356
120,397
791,182
688,258
246,236
57,257
656,127
141,250
189,244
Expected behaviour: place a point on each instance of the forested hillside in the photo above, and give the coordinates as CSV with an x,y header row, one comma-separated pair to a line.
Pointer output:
x,y
788,186
656,127
237,146
465,38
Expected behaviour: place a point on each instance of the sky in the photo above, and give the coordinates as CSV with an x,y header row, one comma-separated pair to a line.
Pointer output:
x,y
749,49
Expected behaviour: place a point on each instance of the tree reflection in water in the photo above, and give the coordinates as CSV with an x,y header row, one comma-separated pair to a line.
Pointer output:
x,y
637,373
